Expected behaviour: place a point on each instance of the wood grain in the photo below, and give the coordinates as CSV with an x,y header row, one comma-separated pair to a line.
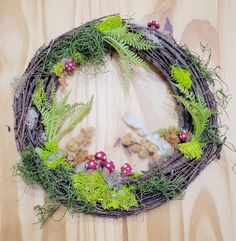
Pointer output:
x,y
208,211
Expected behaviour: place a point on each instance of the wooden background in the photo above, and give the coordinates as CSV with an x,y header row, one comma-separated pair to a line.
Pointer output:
x,y
208,211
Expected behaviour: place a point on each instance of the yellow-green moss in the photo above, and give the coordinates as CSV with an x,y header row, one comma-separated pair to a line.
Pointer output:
x,y
94,189
110,23
191,150
52,156
181,76
58,68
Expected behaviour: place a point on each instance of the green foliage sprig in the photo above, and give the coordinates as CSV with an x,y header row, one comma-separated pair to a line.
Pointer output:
x,y
200,114
206,72
55,112
117,36
45,212
198,110
181,76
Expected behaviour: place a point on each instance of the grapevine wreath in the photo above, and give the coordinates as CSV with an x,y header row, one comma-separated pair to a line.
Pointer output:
x,y
90,183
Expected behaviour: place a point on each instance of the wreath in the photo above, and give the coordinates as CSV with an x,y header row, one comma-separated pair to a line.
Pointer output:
x,y
90,183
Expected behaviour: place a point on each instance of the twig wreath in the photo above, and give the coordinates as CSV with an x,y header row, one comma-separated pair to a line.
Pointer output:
x,y
89,183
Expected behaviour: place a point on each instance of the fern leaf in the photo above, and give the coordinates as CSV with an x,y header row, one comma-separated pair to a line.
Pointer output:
x,y
54,112
124,51
198,110
126,71
76,118
134,40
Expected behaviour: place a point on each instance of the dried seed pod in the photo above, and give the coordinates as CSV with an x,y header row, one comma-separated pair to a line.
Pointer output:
x,y
127,139
135,148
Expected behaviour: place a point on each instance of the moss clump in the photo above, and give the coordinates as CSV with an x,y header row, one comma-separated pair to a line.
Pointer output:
x,y
181,76
78,58
55,181
159,183
52,156
191,150
87,41
110,23
123,199
94,189
58,68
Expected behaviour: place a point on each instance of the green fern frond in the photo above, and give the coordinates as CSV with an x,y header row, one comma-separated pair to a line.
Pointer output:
x,y
123,50
55,112
76,118
126,71
135,40
198,110
116,35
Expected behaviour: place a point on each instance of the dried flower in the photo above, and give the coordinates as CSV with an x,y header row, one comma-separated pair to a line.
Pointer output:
x,y
172,137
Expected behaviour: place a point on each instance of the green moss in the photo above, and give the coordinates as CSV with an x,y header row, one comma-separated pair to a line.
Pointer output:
x,y
159,183
181,76
110,23
135,175
191,150
88,41
78,58
52,156
123,199
58,68
26,168
94,189
55,181
39,96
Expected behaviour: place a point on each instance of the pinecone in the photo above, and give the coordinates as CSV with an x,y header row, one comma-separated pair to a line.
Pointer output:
x,y
172,137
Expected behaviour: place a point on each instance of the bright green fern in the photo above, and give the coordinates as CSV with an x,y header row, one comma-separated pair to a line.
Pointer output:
x,y
181,76
116,35
198,110
56,112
